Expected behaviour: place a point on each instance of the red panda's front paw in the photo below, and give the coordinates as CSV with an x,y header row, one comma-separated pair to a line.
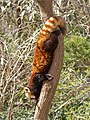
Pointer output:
x,y
49,76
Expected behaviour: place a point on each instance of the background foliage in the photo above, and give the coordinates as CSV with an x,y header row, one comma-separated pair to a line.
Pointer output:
x,y
20,24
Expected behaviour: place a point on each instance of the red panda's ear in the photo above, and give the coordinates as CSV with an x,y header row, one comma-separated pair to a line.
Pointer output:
x,y
28,93
49,76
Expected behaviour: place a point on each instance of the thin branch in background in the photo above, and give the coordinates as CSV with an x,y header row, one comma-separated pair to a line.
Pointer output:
x,y
16,55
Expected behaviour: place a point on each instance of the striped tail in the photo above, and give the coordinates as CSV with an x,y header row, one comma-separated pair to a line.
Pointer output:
x,y
53,23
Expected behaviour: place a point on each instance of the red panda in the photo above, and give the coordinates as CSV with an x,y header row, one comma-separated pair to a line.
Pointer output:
x,y
43,55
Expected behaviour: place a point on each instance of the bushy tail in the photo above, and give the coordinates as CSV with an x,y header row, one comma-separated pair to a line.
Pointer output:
x,y
51,24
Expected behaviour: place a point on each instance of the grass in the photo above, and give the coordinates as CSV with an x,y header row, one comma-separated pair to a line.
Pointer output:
x,y
71,101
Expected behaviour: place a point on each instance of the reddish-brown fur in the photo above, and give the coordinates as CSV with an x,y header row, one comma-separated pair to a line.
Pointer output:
x,y
43,53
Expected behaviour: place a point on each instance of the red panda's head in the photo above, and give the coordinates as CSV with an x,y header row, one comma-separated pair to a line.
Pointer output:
x,y
35,84
28,93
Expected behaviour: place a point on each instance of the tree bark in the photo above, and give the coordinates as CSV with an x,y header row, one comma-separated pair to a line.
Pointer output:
x,y
49,87
46,9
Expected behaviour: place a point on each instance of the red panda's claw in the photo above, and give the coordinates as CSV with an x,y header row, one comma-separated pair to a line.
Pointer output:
x,y
49,76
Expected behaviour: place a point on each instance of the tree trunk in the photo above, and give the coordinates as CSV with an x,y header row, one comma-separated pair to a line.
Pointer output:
x,y
46,9
49,87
